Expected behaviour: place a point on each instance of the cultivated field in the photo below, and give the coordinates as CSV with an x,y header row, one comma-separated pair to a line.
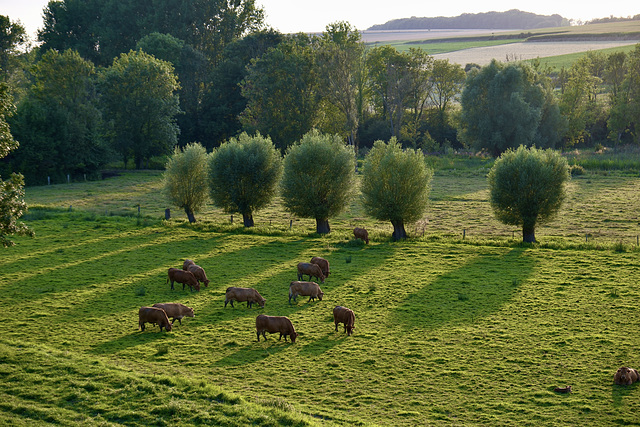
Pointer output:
x,y
478,46
449,331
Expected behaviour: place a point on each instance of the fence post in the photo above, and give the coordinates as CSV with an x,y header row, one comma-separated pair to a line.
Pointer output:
x,y
167,214
68,179
464,233
231,219
290,224
48,180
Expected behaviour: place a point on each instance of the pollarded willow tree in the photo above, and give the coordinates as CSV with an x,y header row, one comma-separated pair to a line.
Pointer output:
x,y
527,187
244,174
318,180
184,181
395,185
12,205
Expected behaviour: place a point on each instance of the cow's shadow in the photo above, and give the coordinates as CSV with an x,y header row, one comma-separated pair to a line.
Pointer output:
x,y
151,334
619,392
255,352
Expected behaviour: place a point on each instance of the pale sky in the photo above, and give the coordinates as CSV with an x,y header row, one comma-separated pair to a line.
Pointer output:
x,y
290,16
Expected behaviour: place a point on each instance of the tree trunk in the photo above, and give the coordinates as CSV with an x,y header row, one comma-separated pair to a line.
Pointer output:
x,y
529,234
190,215
247,218
322,226
398,230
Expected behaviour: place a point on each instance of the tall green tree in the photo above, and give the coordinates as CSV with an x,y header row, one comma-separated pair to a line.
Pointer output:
x,y
223,102
244,174
527,187
140,106
281,89
340,56
103,29
184,181
395,185
58,122
502,108
318,179
625,109
447,82
12,36
12,205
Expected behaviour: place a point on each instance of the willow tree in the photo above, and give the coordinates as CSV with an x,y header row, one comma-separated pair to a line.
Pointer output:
x,y
185,179
395,185
243,175
318,178
527,188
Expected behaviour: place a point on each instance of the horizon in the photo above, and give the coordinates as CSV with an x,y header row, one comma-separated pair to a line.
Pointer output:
x,y
288,16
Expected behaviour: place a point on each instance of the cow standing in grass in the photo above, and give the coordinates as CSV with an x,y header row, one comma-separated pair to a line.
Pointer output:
x,y
361,233
275,324
345,316
154,315
184,277
311,270
305,289
323,263
250,295
175,311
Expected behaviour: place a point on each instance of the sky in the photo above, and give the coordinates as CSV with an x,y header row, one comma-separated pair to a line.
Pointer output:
x,y
291,16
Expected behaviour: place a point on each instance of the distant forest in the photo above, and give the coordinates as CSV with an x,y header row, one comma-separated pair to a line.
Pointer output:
x,y
512,19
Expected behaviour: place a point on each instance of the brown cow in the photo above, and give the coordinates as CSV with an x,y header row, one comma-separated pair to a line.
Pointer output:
x,y
346,316
361,233
310,270
273,324
176,311
199,273
153,315
187,263
305,289
323,263
184,277
626,376
249,295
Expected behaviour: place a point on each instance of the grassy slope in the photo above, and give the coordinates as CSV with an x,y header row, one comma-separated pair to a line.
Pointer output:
x,y
446,332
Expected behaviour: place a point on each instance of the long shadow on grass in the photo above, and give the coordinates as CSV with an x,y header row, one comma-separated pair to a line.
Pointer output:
x,y
150,335
255,351
474,290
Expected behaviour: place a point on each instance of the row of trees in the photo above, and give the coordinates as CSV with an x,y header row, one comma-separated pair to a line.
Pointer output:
x,y
77,108
316,179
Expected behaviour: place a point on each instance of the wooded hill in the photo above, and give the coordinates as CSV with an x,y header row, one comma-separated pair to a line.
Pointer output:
x,y
512,19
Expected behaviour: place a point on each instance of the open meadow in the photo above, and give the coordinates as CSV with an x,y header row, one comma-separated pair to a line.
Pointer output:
x,y
459,325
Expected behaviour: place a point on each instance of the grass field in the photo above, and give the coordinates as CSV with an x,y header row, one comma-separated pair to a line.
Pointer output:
x,y
449,331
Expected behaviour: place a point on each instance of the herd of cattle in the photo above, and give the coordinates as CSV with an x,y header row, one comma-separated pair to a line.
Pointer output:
x,y
192,275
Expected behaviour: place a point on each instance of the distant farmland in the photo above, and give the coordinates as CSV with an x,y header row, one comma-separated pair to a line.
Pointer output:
x,y
482,45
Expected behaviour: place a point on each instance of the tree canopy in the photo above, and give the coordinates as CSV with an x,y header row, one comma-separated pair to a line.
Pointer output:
x,y
140,106
12,204
527,187
318,178
185,179
502,108
244,174
395,185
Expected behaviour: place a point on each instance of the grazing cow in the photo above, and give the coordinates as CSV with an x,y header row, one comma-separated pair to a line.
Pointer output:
x,y
176,311
323,263
346,316
249,295
310,270
361,233
184,277
626,376
273,324
187,263
154,315
305,289
199,273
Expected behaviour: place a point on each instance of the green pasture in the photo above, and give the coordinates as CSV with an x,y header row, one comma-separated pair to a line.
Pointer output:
x,y
566,61
448,46
449,330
